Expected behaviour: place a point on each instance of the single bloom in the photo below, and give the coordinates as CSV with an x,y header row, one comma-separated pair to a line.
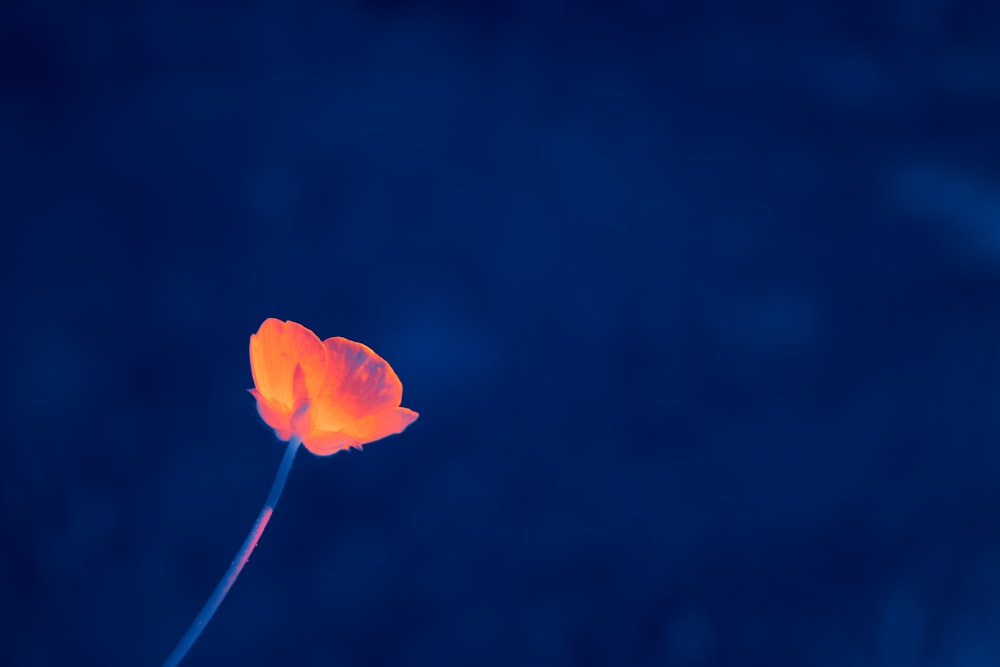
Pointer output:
x,y
332,394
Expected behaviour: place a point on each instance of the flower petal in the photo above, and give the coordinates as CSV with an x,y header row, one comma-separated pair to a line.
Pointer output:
x,y
302,416
361,432
280,421
275,351
324,443
381,424
359,383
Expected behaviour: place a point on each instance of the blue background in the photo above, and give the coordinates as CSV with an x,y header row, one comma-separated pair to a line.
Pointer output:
x,y
698,303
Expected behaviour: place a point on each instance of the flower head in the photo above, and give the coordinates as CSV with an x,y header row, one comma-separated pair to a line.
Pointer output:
x,y
333,394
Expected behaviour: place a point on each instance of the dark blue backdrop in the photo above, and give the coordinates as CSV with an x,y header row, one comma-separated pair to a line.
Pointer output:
x,y
700,306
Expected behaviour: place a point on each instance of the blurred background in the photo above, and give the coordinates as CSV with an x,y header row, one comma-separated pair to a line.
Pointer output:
x,y
699,304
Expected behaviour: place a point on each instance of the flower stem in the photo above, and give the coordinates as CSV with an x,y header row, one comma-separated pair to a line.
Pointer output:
x,y
205,615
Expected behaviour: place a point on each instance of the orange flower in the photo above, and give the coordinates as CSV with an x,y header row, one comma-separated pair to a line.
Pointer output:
x,y
332,394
